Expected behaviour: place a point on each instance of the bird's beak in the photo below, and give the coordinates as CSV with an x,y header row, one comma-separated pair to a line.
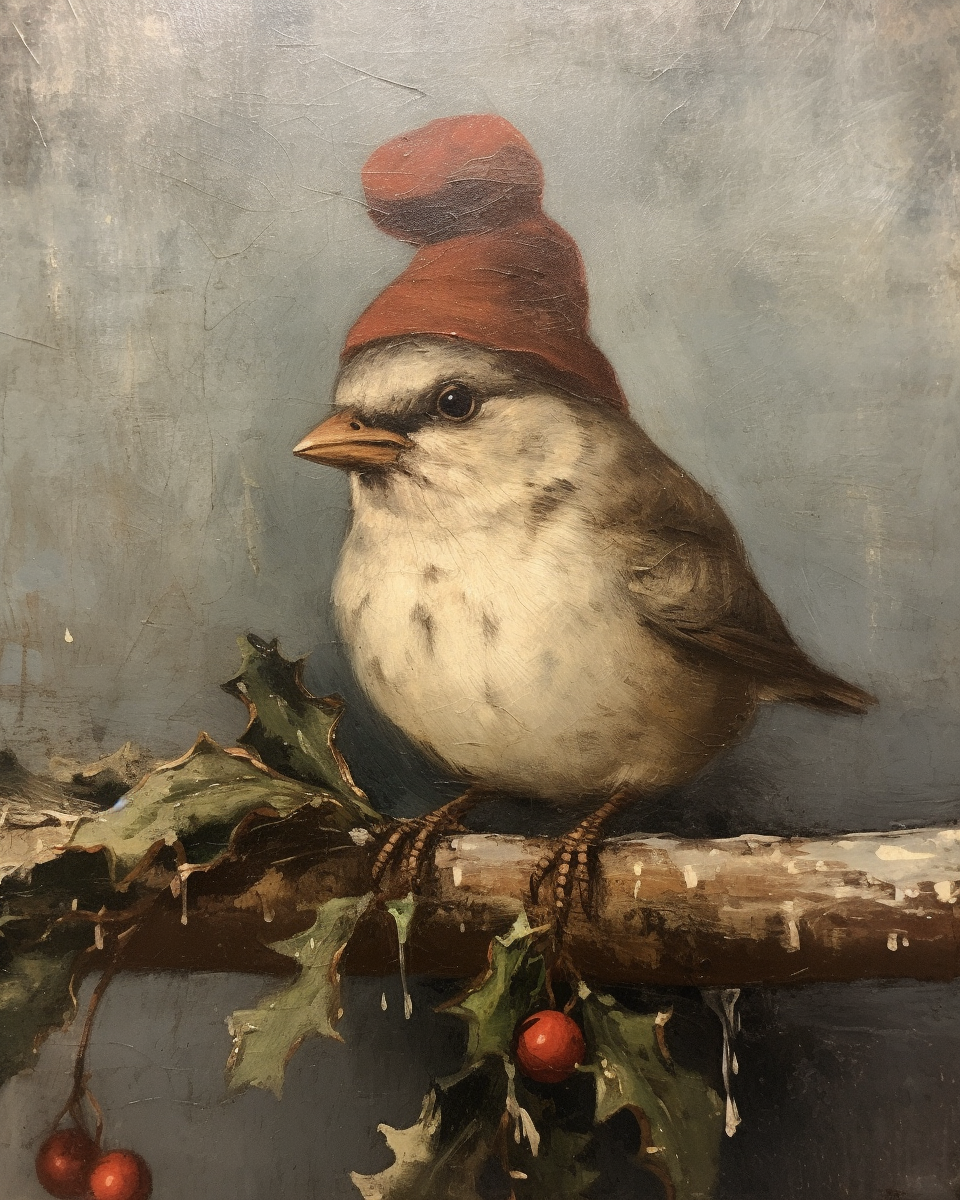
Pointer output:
x,y
345,441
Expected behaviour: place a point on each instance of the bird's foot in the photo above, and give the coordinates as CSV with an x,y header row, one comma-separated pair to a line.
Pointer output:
x,y
569,868
407,850
572,866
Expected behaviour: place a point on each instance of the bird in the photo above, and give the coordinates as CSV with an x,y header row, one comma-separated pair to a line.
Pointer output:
x,y
530,589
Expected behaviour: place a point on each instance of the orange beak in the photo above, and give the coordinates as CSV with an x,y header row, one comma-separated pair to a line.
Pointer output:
x,y
344,441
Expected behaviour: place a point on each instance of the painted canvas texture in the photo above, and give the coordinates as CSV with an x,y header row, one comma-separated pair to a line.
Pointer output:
x,y
630,331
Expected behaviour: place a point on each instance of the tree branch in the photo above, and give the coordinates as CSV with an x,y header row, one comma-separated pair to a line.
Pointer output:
x,y
741,911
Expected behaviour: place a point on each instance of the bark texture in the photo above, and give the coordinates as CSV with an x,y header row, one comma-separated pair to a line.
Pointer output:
x,y
735,912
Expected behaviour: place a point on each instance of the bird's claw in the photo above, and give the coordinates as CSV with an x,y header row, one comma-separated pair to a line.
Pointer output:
x,y
574,863
570,868
407,849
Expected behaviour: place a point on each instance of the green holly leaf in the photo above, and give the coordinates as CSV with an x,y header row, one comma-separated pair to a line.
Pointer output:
x,y
558,1170
43,930
510,991
292,730
680,1116
466,1124
208,790
485,1111
35,999
266,1037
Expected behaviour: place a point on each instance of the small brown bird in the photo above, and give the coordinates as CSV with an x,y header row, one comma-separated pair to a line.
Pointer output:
x,y
530,589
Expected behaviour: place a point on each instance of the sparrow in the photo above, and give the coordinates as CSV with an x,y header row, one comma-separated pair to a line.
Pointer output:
x,y
530,589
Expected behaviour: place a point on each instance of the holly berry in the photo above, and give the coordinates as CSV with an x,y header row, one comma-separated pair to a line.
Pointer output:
x,y
120,1175
549,1046
64,1162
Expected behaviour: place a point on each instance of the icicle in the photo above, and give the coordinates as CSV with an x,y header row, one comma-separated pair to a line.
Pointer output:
x,y
523,1125
402,913
723,1002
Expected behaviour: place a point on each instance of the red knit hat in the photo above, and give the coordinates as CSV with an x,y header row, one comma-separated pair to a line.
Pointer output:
x,y
491,267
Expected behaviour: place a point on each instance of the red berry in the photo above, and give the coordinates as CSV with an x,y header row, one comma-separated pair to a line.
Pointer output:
x,y
549,1045
64,1162
120,1175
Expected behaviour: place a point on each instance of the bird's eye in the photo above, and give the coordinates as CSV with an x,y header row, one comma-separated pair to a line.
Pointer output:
x,y
456,402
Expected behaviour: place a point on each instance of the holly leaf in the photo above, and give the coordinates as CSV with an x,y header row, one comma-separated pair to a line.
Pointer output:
x,y
508,992
557,1170
466,1124
485,1114
35,998
441,1156
266,1037
425,1168
292,730
208,789
680,1116
47,919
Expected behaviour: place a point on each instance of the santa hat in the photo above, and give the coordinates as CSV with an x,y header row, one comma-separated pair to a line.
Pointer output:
x,y
490,267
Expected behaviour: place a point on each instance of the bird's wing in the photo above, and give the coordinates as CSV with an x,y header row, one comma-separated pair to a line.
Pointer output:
x,y
694,585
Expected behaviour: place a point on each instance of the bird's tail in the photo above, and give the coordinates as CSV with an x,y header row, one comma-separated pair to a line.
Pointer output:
x,y
819,689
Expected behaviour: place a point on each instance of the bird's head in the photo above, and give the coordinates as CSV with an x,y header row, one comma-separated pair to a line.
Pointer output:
x,y
443,412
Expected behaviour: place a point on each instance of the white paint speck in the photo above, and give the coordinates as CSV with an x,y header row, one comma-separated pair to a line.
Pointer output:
x,y
944,891
457,873
463,928
900,854
67,635
905,942
891,941
690,876
383,1001
792,941
360,837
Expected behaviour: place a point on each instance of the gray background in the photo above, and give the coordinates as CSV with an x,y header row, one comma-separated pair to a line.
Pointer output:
x,y
765,196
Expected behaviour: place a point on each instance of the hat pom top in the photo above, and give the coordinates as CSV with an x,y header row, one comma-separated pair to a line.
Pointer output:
x,y
490,267
454,177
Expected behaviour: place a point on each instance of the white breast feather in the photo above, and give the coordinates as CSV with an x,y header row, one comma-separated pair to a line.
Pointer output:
x,y
514,654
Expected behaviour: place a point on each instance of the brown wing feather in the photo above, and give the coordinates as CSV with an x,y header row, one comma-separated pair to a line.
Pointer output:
x,y
694,585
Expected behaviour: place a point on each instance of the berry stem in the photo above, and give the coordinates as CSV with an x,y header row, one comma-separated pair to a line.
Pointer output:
x,y
80,1092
